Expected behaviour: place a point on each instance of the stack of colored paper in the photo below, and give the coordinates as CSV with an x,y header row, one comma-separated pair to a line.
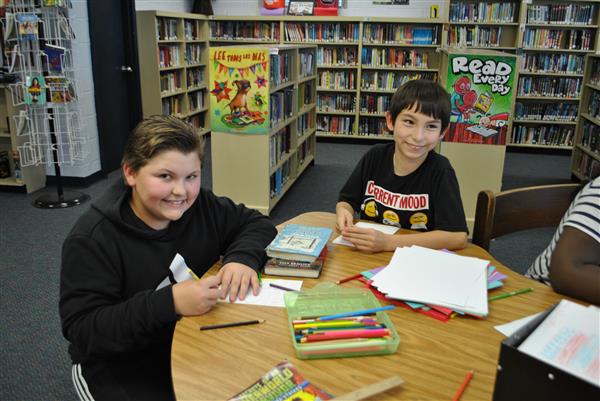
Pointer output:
x,y
439,280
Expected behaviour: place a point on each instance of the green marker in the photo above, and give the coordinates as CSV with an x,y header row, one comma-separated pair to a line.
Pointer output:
x,y
510,294
259,280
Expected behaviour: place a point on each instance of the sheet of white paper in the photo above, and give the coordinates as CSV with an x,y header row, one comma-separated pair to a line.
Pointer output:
x,y
363,224
569,338
269,296
180,272
508,329
435,277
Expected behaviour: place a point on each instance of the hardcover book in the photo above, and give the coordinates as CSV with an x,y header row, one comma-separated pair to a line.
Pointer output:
x,y
283,382
298,242
295,268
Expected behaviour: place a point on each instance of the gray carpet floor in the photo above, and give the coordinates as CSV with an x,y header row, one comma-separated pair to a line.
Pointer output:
x,y
34,364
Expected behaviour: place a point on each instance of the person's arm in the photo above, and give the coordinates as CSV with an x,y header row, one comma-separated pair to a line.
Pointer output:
x,y
344,216
575,266
370,240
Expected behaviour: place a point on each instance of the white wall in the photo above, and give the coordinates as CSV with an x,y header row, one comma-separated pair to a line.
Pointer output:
x,y
355,8
181,6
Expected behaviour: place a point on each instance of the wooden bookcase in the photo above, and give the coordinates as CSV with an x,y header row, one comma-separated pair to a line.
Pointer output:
x,y
492,25
354,62
552,54
585,162
31,177
257,169
173,54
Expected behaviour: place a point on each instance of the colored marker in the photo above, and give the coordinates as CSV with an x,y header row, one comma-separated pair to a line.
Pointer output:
x,y
280,287
510,294
233,324
343,280
193,274
356,313
338,335
463,386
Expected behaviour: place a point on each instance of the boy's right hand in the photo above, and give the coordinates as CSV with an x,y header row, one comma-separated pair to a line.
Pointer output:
x,y
344,219
196,297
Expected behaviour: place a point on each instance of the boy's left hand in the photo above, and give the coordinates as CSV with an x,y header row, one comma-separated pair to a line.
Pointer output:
x,y
366,239
235,280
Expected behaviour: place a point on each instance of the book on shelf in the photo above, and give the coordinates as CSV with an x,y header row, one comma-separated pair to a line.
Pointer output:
x,y
283,382
35,92
55,56
298,242
28,25
60,89
295,268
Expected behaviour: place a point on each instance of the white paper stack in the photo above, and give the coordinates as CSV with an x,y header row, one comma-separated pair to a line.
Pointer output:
x,y
441,278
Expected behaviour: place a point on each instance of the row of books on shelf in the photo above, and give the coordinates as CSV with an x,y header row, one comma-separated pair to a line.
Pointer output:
x,y
196,100
590,137
400,34
190,30
337,55
306,92
476,36
307,63
193,53
342,102
394,58
168,56
337,79
281,68
166,29
266,31
546,111
279,145
281,105
594,105
560,13
375,103
278,180
305,150
195,77
321,32
172,105
551,135
549,86
373,126
304,123
588,166
553,63
170,81
334,124
568,39
390,80
483,12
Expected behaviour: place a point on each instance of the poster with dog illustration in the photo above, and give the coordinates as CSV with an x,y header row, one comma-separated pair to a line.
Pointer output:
x,y
239,93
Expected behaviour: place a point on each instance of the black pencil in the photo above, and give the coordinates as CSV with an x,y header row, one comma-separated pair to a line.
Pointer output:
x,y
233,324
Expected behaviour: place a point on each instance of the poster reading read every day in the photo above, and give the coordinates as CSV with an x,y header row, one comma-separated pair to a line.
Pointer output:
x,y
481,89
239,94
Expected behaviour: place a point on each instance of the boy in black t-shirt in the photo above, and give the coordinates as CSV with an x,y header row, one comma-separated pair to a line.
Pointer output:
x,y
405,183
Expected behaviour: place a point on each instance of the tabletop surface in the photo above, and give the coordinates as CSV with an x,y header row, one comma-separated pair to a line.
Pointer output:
x,y
433,357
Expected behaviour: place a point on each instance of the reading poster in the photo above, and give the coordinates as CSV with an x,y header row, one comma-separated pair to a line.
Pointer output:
x,y
239,93
481,90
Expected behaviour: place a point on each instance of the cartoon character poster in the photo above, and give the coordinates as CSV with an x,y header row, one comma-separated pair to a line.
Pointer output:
x,y
239,93
481,89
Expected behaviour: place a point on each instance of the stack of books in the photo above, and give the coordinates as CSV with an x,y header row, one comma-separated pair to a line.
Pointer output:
x,y
298,251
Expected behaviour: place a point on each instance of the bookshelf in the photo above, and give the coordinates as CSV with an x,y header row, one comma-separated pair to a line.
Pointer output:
x,y
262,140
173,54
20,178
360,61
487,24
553,42
585,162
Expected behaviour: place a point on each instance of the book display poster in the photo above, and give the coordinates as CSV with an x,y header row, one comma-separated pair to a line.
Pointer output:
x,y
481,92
239,101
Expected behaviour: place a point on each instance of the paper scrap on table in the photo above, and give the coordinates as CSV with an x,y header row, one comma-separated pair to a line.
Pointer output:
x,y
363,224
268,296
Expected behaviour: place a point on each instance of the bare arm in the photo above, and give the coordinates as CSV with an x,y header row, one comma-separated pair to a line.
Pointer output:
x,y
575,266
369,240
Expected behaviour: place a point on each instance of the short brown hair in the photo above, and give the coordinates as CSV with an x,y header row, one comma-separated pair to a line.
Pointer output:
x,y
157,134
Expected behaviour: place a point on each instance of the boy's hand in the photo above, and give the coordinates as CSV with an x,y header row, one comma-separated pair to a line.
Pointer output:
x,y
366,239
235,280
344,219
196,297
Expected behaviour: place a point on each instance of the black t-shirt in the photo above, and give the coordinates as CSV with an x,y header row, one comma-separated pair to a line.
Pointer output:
x,y
427,199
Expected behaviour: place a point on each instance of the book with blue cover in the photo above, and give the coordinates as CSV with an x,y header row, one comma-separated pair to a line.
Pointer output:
x,y
298,242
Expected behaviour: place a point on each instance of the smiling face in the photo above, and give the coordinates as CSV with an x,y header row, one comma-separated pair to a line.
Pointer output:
x,y
415,135
164,188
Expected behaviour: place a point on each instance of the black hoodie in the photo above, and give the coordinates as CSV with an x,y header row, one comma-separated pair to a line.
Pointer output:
x,y
112,263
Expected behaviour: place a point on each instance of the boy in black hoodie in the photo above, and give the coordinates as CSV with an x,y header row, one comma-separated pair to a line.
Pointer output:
x,y
128,264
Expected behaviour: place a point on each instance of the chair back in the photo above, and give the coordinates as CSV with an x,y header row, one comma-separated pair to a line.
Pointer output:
x,y
506,212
